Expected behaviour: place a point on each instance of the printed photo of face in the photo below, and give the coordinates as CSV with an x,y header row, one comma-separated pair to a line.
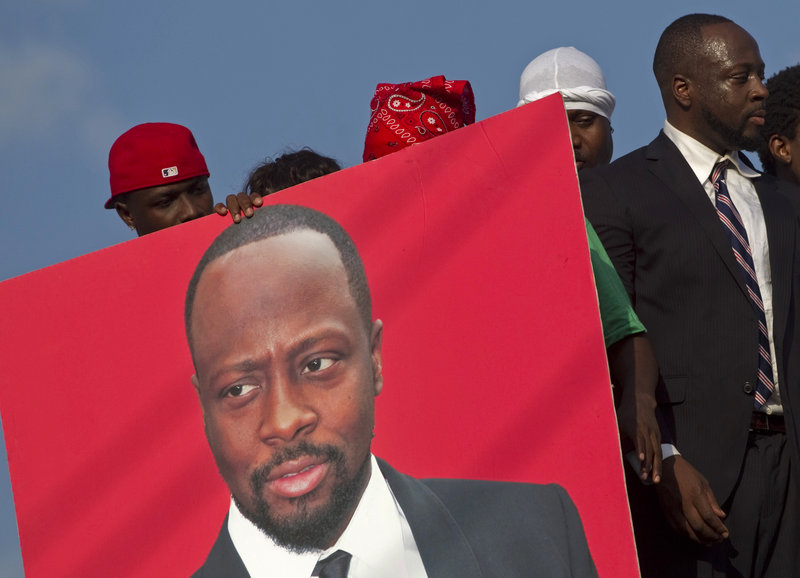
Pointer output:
x,y
287,373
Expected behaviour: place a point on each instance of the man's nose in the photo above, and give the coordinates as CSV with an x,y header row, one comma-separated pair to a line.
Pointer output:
x,y
287,415
188,209
760,92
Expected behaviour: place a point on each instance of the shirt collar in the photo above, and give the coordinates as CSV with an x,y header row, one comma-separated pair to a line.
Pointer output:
x,y
702,159
374,536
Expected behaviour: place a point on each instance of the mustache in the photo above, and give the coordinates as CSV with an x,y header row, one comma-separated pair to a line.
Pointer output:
x,y
304,448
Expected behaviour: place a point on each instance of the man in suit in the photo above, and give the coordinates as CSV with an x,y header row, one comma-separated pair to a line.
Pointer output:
x,y
287,372
707,254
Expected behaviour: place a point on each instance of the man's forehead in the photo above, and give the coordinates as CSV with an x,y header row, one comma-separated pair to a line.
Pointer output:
x,y
299,247
576,110
274,277
287,257
725,40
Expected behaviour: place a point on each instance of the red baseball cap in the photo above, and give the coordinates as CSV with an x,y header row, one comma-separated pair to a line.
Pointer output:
x,y
413,112
153,154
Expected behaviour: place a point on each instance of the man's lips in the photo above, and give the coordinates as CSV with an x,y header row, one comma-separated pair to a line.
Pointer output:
x,y
758,117
298,477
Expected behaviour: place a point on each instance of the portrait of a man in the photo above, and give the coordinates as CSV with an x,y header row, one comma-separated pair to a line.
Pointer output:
x,y
287,360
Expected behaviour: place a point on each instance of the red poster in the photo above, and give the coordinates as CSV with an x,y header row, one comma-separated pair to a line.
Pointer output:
x,y
494,365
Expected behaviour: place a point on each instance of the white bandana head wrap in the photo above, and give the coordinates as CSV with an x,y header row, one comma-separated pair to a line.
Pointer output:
x,y
572,73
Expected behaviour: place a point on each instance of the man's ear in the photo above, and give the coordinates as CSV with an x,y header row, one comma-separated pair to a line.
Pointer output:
x,y
125,214
196,384
376,342
781,149
682,89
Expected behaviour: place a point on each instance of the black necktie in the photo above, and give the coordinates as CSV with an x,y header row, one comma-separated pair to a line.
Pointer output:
x,y
334,566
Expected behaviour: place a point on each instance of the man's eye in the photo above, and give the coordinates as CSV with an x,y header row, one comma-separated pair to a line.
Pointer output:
x,y
239,390
318,364
164,203
584,121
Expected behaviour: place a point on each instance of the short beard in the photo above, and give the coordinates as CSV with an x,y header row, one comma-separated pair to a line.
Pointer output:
x,y
307,529
733,136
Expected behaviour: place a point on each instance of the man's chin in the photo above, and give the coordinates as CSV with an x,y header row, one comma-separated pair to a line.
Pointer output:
x,y
314,520
751,142
299,526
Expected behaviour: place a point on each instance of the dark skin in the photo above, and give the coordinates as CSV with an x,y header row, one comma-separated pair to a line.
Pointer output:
x,y
591,138
631,360
786,152
290,361
239,204
634,369
155,208
718,99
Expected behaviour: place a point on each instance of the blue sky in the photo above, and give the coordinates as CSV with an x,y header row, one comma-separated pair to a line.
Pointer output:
x,y
253,79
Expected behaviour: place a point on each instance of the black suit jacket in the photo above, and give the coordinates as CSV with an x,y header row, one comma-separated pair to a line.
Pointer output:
x,y
675,259
470,529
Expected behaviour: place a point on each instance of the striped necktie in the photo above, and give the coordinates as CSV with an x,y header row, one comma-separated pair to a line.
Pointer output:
x,y
334,566
732,222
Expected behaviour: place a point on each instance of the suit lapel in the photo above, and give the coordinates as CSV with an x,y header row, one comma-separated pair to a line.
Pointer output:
x,y
444,549
223,560
669,166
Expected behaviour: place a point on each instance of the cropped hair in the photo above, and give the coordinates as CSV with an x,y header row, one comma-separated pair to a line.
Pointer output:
x,y
272,221
783,111
680,41
288,170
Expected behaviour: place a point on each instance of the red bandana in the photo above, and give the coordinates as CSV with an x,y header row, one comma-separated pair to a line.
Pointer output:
x,y
413,112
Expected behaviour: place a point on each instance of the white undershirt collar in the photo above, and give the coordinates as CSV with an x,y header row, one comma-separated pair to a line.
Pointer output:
x,y
378,537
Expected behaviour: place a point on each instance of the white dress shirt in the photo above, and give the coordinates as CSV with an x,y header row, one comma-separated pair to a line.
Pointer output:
x,y
738,178
378,537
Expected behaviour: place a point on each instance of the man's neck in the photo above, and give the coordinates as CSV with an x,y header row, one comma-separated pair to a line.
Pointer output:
x,y
687,127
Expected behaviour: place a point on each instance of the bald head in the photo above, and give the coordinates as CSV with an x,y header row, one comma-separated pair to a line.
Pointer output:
x,y
679,45
710,73
279,220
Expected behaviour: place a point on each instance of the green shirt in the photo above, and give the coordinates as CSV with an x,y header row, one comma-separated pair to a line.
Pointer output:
x,y
618,317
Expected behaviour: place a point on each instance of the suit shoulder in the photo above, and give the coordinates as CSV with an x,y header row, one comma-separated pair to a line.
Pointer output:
x,y
223,561
527,504
505,519
769,184
620,169
499,494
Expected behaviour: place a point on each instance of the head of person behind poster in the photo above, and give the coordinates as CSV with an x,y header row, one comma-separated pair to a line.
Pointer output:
x,y
413,112
158,177
780,150
589,105
288,170
287,372
274,175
